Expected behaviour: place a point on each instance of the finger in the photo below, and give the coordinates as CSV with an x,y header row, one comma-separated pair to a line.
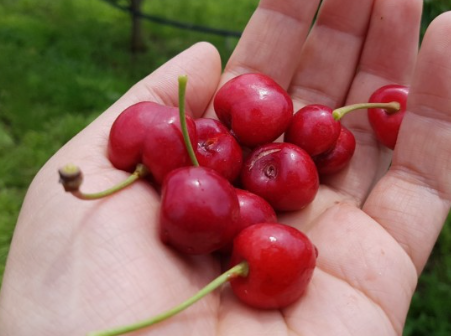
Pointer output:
x,y
412,201
391,38
388,57
272,41
331,52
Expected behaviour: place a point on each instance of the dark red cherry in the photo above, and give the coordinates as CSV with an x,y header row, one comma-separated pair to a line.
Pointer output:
x,y
281,262
314,129
283,174
386,125
199,211
218,149
128,132
339,156
164,148
255,108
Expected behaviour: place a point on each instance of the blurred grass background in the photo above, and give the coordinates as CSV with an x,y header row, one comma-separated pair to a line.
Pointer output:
x,y
64,62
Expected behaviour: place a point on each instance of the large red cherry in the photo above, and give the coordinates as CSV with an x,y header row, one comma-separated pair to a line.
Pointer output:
x,y
255,108
218,149
281,261
199,211
283,174
386,124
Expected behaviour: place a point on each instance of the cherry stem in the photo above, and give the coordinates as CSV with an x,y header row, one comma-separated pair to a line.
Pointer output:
x,y
241,269
390,108
189,146
71,178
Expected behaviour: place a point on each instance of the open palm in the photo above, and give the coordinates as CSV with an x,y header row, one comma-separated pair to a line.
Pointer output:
x,y
76,266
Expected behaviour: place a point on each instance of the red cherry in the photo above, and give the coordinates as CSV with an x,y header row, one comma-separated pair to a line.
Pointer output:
x,y
386,125
339,156
255,108
314,129
253,209
218,149
199,211
281,261
128,132
164,148
283,174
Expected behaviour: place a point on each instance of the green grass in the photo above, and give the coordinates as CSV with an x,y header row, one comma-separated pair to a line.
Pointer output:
x,y
64,62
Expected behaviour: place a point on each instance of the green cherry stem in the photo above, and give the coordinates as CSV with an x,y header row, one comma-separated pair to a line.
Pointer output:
x,y
71,178
241,269
189,146
391,107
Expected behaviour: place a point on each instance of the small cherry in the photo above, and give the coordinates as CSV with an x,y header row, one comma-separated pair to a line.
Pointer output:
x,y
281,261
338,156
386,123
314,129
283,174
253,209
254,107
218,149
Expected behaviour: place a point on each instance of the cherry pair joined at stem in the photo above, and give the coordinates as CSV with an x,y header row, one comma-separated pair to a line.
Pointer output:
x,y
317,128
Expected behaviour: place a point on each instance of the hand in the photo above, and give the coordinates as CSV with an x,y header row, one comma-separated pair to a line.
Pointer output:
x,y
77,266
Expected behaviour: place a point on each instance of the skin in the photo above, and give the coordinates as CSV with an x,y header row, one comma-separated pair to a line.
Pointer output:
x,y
78,266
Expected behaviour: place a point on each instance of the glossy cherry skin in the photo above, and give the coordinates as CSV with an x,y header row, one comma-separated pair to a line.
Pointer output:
x,y
281,262
127,134
164,148
199,211
386,125
339,156
283,174
314,129
255,108
218,149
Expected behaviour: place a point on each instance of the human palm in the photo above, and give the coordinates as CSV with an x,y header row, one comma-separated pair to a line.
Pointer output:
x,y
79,266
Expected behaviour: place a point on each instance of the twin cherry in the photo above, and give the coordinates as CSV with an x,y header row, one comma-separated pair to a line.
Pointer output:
x,y
223,182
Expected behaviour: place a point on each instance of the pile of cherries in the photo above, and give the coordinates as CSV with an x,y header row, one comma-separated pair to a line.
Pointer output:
x,y
222,182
